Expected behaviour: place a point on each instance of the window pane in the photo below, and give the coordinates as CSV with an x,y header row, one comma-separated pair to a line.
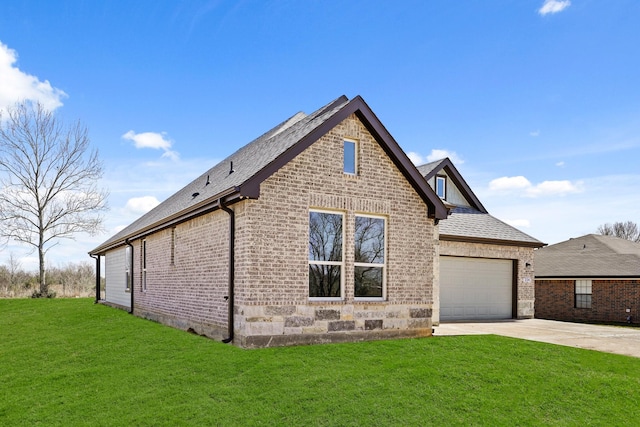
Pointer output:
x,y
325,236
368,281
369,240
324,280
440,187
350,157
583,301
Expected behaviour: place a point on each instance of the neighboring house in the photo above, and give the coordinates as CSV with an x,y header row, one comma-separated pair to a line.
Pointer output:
x,y
592,278
486,266
320,230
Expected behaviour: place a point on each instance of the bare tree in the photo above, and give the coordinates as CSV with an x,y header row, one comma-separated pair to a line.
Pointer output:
x,y
625,230
48,181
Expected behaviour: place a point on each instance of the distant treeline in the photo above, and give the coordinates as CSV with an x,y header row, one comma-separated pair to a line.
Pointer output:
x,y
71,280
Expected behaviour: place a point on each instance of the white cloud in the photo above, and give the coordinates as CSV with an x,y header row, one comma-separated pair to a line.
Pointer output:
x,y
437,154
509,183
418,159
154,140
560,164
553,6
521,185
16,85
141,205
534,133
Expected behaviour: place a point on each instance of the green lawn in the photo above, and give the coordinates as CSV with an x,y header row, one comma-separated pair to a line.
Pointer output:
x,y
71,362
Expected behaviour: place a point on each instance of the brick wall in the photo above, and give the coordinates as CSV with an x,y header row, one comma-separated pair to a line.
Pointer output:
x,y
272,296
523,256
609,301
188,293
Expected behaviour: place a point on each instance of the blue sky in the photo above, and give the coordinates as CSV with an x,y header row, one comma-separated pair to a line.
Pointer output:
x,y
536,102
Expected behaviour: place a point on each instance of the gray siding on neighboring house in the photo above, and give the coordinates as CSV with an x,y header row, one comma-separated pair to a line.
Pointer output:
x,y
115,273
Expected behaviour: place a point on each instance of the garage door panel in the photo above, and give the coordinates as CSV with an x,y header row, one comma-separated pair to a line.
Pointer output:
x,y
475,288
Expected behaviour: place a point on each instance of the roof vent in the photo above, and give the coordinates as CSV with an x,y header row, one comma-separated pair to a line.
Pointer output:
x,y
196,194
208,182
231,170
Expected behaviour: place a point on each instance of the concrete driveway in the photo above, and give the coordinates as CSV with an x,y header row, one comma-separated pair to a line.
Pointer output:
x,y
610,339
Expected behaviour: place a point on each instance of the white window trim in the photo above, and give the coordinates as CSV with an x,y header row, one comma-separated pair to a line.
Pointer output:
x,y
338,263
383,265
444,186
588,283
128,259
355,157
144,265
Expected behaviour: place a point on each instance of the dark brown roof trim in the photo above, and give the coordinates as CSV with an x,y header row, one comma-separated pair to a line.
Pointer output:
x,y
556,277
486,241
459,181
251,187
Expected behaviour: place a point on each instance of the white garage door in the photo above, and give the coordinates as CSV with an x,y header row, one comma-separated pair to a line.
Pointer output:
x,y
475,288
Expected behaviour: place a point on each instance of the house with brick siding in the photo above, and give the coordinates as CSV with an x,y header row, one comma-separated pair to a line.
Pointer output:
x,y
320,230
485,266
592,278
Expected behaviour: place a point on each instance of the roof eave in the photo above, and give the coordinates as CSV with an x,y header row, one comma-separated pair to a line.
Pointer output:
x,y
489,241
210,204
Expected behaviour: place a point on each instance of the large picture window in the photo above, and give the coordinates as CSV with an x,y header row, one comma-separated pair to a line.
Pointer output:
x,y
369,266
583,293
326,257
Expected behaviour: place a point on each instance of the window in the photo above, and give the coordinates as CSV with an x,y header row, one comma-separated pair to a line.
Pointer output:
x,y
144,265
127,268
350,163
369,266
583,293
325,255
441,186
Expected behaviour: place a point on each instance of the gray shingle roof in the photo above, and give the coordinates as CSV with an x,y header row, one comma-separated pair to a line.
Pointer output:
x,y
471,224
592,255
428,167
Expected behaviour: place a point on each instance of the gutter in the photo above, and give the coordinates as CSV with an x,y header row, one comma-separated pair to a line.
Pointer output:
x,y
229,297
97,258
128,243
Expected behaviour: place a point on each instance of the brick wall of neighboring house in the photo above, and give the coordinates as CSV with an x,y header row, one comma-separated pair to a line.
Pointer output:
x,y
523,256
555,299
272,282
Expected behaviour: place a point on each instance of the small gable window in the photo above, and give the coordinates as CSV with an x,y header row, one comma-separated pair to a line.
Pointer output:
x,y
583,293
350,158
441,186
